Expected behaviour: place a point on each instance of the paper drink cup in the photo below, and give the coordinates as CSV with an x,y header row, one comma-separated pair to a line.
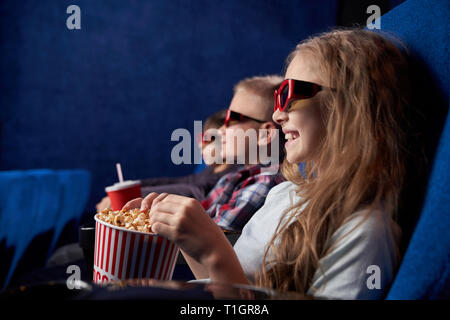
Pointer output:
x,y
122,192
127,254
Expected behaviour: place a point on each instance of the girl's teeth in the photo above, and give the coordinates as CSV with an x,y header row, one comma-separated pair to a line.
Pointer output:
x,y
291,136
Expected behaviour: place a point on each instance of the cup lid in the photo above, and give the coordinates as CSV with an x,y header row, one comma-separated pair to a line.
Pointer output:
x,y
122,185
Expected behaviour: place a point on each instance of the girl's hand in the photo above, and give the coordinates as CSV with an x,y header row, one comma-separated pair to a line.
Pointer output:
x,y
144,204
184,221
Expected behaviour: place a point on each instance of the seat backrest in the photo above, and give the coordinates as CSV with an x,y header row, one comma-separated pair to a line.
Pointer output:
x,y
423,27
425,269
29,209
34,203
75,189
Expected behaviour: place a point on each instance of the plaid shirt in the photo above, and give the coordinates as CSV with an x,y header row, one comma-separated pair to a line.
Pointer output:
x,y
238,195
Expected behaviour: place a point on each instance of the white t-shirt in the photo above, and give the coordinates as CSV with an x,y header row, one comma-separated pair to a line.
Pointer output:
x,y
361,265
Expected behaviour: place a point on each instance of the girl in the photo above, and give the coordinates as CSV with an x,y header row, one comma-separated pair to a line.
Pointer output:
x,y
328,232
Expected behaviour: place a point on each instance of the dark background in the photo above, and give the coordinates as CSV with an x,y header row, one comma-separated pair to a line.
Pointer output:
x,y
116,89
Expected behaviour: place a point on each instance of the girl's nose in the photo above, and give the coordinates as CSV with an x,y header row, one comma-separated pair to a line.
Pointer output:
x,y
279,117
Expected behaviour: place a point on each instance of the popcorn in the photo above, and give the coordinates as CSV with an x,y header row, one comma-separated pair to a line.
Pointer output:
x,y
134,219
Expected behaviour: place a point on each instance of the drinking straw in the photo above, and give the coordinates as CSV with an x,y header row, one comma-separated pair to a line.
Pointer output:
x,y
119,172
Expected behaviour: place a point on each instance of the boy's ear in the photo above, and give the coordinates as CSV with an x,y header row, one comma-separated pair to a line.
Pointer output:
x,y
199,140
266,133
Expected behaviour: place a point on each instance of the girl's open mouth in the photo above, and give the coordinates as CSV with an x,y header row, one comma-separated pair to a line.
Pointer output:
x,y
291,136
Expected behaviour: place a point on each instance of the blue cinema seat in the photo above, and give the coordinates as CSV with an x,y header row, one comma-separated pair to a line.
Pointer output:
x,y
41,217
423,27
74,194
34,203
425,269
19,186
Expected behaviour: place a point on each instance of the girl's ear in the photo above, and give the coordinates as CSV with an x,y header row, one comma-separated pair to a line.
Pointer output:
x,y
266,133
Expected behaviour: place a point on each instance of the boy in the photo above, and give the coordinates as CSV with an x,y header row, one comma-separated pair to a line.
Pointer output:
x,y
239,194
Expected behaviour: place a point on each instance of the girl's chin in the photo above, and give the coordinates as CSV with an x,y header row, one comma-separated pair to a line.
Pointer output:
x,y
294,160
295,153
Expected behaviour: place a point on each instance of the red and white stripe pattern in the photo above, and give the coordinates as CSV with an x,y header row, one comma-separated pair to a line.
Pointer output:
x,y
121,254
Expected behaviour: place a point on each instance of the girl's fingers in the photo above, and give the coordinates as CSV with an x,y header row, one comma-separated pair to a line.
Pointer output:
x,y
178,199
147,202
160,198
164,230
162,217
132,204
166,207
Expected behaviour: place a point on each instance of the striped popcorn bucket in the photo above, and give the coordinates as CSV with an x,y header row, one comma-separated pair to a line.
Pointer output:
x,y
127,254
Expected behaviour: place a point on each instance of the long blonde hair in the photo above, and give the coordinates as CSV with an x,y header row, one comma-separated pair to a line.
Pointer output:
x,y
361,157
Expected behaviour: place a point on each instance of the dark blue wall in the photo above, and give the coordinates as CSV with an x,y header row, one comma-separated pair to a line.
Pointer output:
x,y
116,89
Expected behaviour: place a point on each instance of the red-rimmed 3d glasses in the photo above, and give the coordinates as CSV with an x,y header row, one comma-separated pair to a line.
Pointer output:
x,y
290,90
234,117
